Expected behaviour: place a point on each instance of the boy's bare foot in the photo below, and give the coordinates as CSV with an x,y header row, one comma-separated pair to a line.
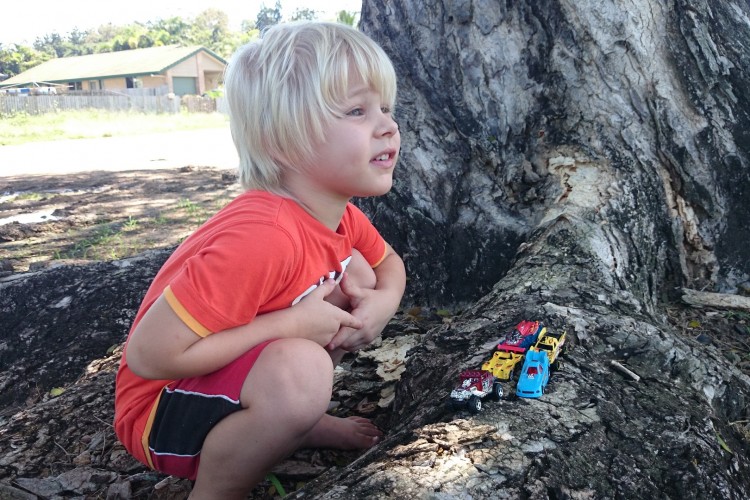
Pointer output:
x,y
352,433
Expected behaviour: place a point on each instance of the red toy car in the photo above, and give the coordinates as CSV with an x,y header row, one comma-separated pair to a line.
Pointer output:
x,y
474,387
523,337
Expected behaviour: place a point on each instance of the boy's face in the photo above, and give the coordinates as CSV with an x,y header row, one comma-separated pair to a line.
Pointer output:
x,y
360,149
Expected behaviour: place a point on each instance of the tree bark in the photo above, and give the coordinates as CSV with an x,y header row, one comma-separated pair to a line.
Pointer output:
x,y
711,299
631,118
573,162
57,321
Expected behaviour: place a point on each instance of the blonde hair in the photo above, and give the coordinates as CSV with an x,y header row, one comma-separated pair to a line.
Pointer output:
x,y
284,89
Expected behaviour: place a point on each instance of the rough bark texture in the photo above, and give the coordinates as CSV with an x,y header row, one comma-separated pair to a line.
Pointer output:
x,y
578,161
572,162
631,118
55,322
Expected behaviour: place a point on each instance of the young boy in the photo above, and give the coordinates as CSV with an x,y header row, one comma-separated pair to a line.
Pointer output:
x,y
228,366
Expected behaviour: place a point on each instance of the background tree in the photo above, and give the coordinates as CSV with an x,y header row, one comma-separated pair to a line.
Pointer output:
x,y
101,38
304,14
52,44
247,25
18,58
346,17
211,29
170,31
131,36
268,16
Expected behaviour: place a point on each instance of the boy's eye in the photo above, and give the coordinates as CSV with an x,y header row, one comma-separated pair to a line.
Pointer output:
x,y
356,112
385,109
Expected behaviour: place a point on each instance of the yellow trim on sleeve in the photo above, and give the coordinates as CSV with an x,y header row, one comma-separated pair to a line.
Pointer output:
x,y
380,261
183,314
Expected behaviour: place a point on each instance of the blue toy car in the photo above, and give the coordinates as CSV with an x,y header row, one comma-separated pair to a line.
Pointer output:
x,y
534,375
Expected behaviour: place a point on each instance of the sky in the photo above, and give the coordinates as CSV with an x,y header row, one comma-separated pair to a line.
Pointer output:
x,y
22,22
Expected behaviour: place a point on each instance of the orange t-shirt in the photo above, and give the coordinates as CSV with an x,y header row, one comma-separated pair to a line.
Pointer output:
x,y
260,253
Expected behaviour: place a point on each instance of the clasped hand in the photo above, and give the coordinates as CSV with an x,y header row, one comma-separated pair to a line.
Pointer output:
x,y
371,308
334,328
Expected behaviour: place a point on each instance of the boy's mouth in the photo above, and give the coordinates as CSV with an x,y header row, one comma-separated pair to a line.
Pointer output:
x,y
384,156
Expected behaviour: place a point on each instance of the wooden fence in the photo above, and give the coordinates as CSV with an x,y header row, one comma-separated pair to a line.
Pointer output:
x,y
40,104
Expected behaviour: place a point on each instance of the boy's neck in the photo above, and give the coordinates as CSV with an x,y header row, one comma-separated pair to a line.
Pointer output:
x,y
325,207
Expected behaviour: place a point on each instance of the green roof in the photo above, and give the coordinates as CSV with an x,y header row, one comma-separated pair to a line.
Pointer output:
x,y
125,63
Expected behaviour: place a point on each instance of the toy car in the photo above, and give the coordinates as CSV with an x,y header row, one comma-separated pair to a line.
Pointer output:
x,y
524,336
475,385
534,375
553,344
502,364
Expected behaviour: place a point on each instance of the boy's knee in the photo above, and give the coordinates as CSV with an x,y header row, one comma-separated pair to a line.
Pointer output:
x,y
295,371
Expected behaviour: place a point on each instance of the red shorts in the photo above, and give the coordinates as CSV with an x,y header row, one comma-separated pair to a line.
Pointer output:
x,y
189,408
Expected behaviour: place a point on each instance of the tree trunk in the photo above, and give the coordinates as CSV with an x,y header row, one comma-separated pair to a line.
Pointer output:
x,y
572,162
576,163
630,121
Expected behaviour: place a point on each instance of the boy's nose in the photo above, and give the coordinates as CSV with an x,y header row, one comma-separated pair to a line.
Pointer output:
x,y
389,126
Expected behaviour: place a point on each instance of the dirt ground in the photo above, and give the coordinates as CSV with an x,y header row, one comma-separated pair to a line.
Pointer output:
x,y
46,220
101,215
109,198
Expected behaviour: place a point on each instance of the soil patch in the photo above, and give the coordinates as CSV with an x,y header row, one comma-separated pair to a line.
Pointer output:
x,y
104,215
100,216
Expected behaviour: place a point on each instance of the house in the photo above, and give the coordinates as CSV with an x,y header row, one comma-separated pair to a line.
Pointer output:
x,y
182,70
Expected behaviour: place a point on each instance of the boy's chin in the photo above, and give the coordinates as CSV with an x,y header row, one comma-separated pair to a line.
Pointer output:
x,y
377,191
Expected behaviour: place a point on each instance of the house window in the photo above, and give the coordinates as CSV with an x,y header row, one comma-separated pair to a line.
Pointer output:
x,y
133,83
95,85
75,86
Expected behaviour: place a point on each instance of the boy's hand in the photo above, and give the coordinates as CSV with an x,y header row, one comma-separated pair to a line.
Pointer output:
x,y
372,308
319,320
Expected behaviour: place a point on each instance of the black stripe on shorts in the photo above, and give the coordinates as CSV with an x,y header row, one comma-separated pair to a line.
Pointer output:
x,y
183,420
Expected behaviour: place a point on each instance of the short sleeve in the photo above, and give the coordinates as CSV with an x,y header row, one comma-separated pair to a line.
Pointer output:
x,y
364,237
227,281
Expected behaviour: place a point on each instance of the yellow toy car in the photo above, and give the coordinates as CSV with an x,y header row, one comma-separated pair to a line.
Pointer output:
x,y
512,347
502,364
552,344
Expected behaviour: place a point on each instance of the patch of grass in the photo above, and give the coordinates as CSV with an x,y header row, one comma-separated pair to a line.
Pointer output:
x,y
21,128
186,204
28,196
126,238
160,220
131,224
196,213
90,247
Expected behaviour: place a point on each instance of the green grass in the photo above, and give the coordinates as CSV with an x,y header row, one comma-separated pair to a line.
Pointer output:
x,y
118,239
22,128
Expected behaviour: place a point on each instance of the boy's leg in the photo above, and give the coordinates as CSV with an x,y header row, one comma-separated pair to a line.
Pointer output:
x,y
284,396
284,399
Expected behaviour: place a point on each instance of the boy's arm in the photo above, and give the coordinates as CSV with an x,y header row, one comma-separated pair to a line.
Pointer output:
x,y
162,346
373,307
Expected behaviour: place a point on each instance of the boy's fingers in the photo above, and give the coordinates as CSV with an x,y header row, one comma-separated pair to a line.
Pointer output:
x,y
340,337
325,288
350,321
349,288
